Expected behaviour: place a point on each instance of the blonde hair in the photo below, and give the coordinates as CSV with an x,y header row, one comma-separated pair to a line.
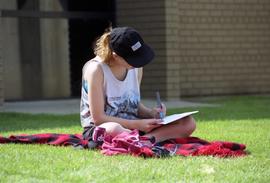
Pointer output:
x,y
102,48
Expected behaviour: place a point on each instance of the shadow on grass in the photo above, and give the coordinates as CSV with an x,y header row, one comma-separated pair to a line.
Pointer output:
x,y
21,121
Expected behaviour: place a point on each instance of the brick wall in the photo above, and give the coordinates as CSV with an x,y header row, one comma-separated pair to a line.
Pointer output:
x,y
224,47
203,47
1,70
148,17
173,61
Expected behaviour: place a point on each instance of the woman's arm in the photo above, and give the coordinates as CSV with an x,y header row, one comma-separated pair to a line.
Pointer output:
x,y
94,76
145,112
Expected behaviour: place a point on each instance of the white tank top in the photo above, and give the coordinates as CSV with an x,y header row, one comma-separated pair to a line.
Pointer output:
x,y
121,97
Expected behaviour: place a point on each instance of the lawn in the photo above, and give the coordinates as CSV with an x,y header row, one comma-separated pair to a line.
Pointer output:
x,y
243,119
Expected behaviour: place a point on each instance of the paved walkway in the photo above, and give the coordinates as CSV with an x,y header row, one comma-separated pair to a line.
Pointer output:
x,y
71,106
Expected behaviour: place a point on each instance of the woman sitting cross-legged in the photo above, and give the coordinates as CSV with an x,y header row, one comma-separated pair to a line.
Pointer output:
x,y
111,90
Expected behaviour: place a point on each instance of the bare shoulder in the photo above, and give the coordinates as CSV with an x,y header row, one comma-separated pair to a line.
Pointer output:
x,y
92,70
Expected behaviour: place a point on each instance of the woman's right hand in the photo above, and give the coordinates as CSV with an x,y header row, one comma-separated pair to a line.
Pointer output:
x,y
147,125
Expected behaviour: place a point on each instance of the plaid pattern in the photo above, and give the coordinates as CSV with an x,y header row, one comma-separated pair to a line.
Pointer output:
x,y
47,138
197,147
191,146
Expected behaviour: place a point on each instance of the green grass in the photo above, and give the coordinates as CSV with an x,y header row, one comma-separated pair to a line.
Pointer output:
x,y
240,119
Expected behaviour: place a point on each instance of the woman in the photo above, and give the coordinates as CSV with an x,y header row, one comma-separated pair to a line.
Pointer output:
x,y
111,90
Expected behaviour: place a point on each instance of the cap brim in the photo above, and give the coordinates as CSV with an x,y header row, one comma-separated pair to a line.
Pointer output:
x,y
141,57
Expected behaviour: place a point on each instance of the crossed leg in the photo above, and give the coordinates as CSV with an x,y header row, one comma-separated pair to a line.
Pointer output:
x,y
113,128
179,129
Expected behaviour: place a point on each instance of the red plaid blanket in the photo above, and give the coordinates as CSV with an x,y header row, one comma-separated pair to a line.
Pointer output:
x,y
127,144
46,138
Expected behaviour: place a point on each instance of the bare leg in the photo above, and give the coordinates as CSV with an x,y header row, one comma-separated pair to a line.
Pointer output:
x,y
179,129
113,128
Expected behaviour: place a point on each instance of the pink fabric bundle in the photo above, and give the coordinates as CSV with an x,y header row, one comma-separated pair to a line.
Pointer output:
x,y
126,143
129,143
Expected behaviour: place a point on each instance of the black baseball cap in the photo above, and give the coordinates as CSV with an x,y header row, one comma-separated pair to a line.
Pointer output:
x,y
127,43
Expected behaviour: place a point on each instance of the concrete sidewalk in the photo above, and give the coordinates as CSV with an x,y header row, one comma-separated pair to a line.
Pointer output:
x,y
71,106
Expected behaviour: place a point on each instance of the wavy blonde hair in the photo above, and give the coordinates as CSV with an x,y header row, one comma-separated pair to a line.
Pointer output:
x,y
102,48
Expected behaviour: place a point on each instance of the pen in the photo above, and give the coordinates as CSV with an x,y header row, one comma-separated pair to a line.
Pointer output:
x,y
161,114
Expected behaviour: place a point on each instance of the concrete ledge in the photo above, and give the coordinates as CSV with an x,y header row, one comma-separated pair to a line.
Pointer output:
x,y
72,106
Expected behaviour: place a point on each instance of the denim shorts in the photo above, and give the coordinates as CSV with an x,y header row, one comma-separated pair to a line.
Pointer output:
x,y
88,132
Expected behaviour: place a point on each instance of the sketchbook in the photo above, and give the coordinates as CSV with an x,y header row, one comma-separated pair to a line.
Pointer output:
x,y
174,117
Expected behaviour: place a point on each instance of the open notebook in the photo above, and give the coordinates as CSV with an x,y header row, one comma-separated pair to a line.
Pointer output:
x,y
174,117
